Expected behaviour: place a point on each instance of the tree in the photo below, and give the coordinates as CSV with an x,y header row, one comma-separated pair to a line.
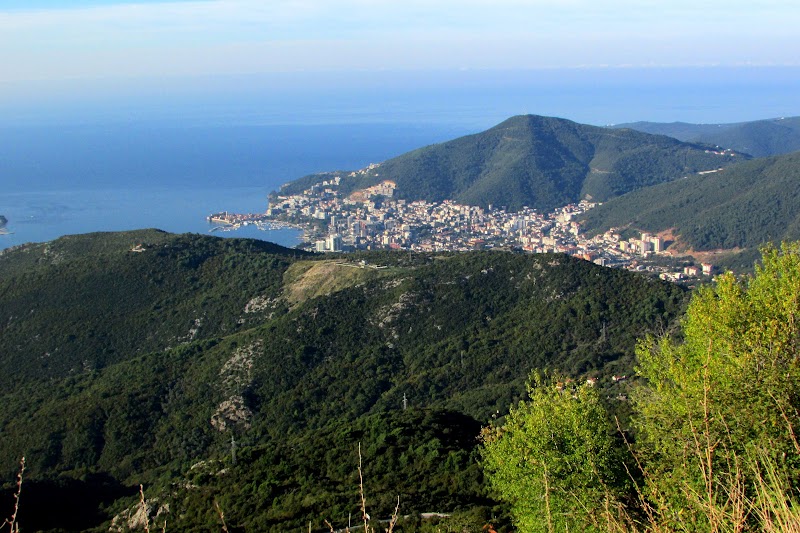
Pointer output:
x,y
716,415
719,412
554,460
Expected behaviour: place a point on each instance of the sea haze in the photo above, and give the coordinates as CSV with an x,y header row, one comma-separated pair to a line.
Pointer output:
x,y
166,154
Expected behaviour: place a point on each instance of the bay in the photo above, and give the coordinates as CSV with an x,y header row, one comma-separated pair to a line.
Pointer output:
x,y
44,216
112,177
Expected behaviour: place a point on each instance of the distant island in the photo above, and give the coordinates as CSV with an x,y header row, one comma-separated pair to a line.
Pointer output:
x,y
3,221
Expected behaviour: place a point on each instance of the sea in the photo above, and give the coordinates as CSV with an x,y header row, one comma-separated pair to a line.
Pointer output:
x,y
167,153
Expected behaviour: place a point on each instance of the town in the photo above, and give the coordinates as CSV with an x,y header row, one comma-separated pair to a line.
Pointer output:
x,y
372,218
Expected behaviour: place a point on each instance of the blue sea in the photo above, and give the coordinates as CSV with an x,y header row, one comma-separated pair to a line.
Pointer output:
x,y
165,154
87,178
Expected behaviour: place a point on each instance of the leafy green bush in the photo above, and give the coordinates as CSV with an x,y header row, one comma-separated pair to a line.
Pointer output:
x,y
721,405
555,460
715,423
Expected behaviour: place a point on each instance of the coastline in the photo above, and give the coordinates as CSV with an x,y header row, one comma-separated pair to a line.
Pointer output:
x,y
43,216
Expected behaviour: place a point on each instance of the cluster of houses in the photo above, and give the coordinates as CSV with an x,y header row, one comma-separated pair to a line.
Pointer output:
x,y
374,218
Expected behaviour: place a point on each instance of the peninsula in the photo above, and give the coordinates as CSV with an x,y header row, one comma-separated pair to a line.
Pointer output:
x,y
524,184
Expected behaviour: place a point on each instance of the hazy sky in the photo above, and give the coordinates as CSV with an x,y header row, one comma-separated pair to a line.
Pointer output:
x,y
52,40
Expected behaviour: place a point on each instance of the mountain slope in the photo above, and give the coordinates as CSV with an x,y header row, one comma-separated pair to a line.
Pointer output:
x,y
120,302
743,206
540,162
760,138
453,334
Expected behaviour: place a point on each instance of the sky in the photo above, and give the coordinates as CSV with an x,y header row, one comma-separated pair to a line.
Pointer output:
x,y
52,40
59,55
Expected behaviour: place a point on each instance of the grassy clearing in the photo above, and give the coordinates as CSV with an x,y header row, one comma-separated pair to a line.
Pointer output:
x,y
309,279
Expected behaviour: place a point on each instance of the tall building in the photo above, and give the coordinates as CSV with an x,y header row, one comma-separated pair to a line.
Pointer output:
x,y
658,244
334,243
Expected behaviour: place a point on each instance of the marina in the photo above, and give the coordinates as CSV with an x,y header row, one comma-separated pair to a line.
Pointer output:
x,y
234,221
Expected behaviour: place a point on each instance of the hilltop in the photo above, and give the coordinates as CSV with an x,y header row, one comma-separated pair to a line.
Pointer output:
x,y
145,357
534,161
759,138
738,207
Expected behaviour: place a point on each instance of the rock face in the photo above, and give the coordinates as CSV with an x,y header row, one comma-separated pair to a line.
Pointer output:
x,y
140,516
235,377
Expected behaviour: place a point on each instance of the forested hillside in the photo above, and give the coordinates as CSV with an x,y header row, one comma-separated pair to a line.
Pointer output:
x,y
743,206
534,161
759,138
81,303
296,360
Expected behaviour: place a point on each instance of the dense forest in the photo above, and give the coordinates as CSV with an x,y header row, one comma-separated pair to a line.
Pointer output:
x,y
239,375
738,207
534,161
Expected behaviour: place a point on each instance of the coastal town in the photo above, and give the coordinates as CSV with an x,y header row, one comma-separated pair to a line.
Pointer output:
x,y
374,219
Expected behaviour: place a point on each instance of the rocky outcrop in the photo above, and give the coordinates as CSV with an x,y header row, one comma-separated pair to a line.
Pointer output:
x,y
234,378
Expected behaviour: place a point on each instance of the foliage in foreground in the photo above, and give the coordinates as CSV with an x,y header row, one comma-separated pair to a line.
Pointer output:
x,y
721,407
555,458
715,421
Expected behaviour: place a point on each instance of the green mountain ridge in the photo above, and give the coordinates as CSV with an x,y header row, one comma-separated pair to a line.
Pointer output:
x,y
759,138
179,289
534,161
739,207
298,359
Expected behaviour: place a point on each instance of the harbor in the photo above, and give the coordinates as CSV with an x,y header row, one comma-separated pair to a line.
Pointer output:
x,y
234,221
